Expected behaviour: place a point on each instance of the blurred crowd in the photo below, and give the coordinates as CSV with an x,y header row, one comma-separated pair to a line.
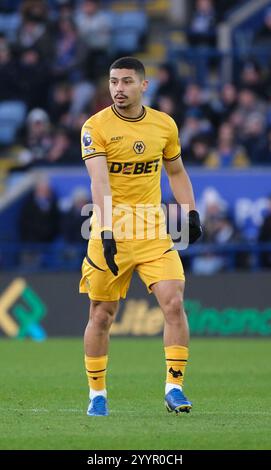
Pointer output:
x,y
45,220
54,58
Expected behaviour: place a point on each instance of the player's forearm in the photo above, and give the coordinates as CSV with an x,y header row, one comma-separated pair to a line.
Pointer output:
x,y
101,190
101,196
182,189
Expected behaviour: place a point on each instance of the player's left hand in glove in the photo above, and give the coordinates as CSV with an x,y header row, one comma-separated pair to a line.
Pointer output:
x,y
110,250
195,228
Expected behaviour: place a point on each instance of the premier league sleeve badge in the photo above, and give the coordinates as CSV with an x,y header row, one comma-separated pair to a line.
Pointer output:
x,y
87,141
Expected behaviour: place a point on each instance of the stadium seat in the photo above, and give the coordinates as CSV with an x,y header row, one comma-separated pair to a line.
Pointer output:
x,y
12,115
9,24
129,28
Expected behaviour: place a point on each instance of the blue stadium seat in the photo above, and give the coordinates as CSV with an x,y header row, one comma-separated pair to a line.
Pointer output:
x,y
128,30
12,115
9,24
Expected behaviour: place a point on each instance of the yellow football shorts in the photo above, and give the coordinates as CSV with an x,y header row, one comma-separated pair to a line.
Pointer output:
x,y
152,259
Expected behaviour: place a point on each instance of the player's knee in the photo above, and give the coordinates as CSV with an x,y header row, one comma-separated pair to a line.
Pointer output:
x,y
102,318
174,309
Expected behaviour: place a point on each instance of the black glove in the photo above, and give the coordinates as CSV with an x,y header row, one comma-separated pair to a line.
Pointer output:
x,y
110,249
195,228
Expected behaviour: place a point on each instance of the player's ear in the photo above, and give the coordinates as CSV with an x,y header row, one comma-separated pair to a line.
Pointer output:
x,y
145,84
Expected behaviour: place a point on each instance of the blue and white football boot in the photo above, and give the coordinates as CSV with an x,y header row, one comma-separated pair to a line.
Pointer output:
x,y
176,401
98,406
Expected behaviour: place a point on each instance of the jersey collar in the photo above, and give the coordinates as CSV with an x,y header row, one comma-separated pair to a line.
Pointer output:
x,y
139,118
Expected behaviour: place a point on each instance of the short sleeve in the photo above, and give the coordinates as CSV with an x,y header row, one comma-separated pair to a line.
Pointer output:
x,y
172,150
92,143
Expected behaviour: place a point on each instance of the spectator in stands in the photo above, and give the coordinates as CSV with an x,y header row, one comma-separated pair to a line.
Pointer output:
x,y
168,83
195,100
101,98
220,230
75,228
69,52
211,202
254,139
60,103
228,153
73,219
198,151
202,28
225,105
251,77
36,9
40,216
64,8
82,94
194,125
9,84
94,28
34,30
167,104
63,151
265,236
34,79
75,131
248,103
38,140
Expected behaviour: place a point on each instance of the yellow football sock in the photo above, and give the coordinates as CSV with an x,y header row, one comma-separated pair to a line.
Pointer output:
x,y
176,359
96,371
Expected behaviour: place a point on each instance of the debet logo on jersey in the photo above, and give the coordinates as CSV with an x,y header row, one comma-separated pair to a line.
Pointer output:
x,y
134,168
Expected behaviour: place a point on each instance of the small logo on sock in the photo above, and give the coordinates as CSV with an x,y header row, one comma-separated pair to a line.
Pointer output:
x,y
175,373
94,378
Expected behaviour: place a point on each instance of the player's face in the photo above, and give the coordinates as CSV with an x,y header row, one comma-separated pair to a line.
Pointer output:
x,y
126,87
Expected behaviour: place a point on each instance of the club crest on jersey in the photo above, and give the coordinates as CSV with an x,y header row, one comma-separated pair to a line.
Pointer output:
x,y
139,146
87,141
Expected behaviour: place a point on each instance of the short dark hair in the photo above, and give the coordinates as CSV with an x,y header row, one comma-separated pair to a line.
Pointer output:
x,y
129,63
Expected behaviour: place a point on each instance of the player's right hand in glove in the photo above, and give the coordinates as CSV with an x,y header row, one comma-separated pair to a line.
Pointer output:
x,y
195,228
110,250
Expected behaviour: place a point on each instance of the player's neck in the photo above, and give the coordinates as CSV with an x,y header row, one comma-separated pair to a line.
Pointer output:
x,y
133,111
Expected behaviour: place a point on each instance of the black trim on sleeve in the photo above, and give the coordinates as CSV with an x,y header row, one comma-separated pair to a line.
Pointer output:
x,y
172,158
94,155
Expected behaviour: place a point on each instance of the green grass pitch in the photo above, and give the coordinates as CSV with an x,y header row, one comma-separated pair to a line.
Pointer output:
x,y
44,396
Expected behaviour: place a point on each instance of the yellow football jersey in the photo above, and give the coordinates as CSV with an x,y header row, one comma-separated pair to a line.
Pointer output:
x,y
134,149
